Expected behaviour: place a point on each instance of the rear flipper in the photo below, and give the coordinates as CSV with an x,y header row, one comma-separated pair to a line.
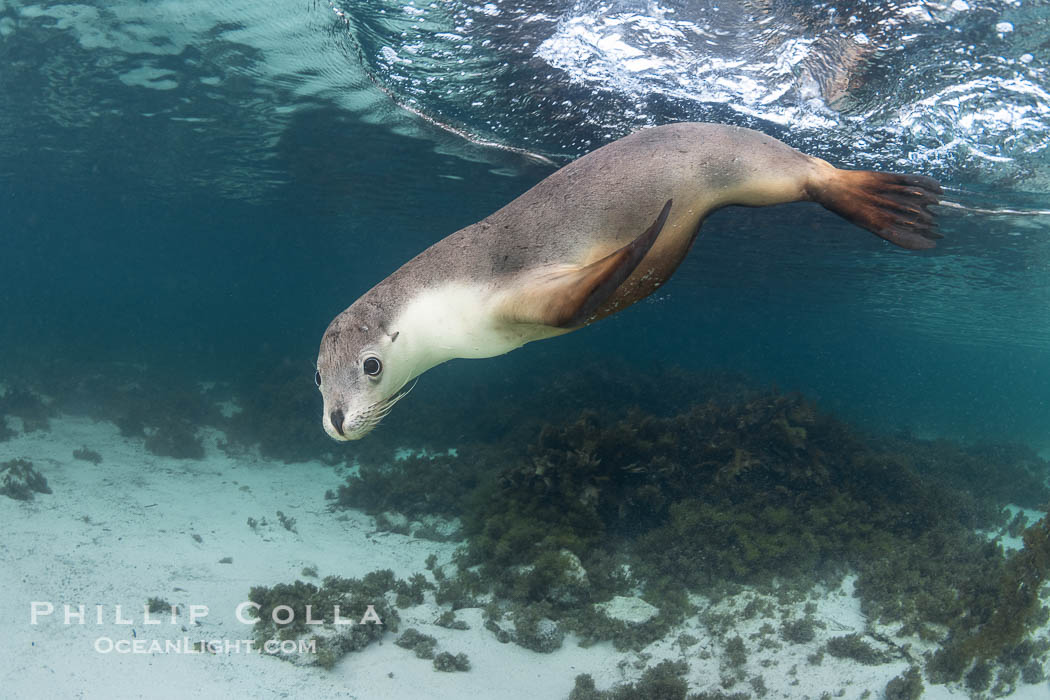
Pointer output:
x,y
891,206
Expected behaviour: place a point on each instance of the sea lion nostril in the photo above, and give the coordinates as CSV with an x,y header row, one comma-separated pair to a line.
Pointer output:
x,y
337,420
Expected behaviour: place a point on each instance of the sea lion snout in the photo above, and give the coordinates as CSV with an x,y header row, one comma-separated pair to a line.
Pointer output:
x,y
341,428
337,417
352,409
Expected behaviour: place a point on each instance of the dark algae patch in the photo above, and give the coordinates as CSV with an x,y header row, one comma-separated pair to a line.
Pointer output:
x,y
176,439
664,681
1010,606
449,662
362,601
87,455
422,645
280,413
5,431
907,686
415,486
30,407
164,410
20,480
749,487
799,631
854,646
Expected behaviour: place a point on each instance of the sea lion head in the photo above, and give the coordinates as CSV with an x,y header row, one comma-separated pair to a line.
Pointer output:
x,y
359,371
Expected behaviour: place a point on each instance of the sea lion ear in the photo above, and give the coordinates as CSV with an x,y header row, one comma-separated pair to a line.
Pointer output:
x,y
568,296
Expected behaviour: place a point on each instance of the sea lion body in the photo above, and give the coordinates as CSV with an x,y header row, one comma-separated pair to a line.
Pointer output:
x,y
580,245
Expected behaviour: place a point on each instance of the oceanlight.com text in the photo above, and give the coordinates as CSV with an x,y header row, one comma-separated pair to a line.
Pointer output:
x,y
185,645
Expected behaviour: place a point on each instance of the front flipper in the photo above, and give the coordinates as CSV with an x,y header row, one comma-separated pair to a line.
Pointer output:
x,y
567,297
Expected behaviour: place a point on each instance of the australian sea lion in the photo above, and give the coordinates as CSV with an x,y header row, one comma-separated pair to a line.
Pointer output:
x,y
591,239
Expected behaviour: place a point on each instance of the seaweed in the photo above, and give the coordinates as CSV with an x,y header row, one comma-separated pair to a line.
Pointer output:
x,y
736,652
593,625
907,686
281,411
279,406
460,591
525,405
799,631
411,592
27,405
774,490
1004,473
137,398
534,630
449,663
941,577
177,439
1009,606
853,646
19,480
422,645
435,533
748,489
663,681
1017,525
158,605
448,619
393,522
1033,672
286,522
980,677
361,601
415,486
87,455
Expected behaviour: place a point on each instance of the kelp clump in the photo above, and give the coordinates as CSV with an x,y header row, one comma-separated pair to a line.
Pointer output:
x,y
422,645
20,480
664,681
352,613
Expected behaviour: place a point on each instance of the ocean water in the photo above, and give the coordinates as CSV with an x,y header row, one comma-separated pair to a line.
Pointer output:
x,y
190,191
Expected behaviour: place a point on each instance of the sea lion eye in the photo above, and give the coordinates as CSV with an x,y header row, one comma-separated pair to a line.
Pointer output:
x,y
373,366
317,378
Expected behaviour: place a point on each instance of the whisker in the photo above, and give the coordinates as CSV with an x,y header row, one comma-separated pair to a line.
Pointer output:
x,y
379,410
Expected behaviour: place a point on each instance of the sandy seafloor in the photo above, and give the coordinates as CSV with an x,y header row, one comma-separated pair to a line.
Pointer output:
x,y
123,531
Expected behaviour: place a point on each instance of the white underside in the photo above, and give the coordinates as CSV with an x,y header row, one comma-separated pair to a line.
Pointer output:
x,y
455,320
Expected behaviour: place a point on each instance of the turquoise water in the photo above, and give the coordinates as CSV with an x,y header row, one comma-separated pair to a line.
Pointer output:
x,y
183,168
191,191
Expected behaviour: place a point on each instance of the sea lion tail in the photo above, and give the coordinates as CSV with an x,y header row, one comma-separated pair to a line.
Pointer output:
x,y
892,206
